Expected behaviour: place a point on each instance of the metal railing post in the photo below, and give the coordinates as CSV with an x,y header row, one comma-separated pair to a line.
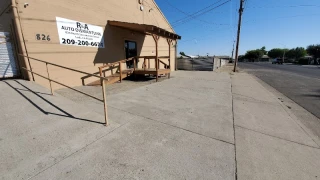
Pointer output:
x,y
103,79
134,67
105,101
120,71
192,64
49,79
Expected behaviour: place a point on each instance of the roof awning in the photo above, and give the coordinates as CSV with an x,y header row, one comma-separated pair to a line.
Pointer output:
x,y
146,29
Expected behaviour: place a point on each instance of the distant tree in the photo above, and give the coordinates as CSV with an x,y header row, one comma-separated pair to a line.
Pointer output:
x,y
277,53
263,49
241,58
296,53
314,50
253,54
291,54
182,54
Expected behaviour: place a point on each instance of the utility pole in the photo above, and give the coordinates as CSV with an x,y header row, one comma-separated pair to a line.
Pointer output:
x,y
238,36
232,50
284,52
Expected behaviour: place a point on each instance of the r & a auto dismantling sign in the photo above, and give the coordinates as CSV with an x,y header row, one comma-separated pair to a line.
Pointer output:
x,y
79,34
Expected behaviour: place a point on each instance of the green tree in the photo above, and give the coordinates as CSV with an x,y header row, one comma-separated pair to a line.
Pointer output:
x,y
263,49
314,50
241,58
277,53
182,54
296,53
253,54
291,54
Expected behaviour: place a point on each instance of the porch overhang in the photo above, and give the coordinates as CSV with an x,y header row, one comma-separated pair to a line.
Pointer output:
x,y
146,29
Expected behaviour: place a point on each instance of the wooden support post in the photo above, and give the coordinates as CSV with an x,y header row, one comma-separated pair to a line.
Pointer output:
x,y
105,102
169,68
134,68
156,39
49,79
111,70
149,65
144,63
120,71
100,71
169,44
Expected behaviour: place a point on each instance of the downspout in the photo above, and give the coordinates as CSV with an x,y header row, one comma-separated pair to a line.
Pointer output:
x,y
22,44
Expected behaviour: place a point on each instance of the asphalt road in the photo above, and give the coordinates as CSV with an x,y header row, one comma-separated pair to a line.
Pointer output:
x,y
299,83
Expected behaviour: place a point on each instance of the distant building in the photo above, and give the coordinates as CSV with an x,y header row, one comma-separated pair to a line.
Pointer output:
x,y
223,57
265,58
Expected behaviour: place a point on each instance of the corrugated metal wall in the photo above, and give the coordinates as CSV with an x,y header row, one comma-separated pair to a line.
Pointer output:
x,y
8,66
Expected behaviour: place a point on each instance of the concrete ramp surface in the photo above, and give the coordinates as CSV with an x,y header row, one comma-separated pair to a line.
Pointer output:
x,y
180,128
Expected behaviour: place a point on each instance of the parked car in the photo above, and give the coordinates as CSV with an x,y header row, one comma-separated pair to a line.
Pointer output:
x,y
277,61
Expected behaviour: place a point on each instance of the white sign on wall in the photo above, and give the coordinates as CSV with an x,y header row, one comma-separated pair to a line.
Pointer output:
x,y
79,34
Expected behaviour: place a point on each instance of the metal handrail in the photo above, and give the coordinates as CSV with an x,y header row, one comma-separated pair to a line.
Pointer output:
x,y
129,59
112,64
165,65
75,70
135,59
64,67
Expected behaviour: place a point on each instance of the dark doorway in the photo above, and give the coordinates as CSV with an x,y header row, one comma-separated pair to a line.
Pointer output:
x,y
131,51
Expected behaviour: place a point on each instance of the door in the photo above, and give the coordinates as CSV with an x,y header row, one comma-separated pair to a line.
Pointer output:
x,y
8,65
131,51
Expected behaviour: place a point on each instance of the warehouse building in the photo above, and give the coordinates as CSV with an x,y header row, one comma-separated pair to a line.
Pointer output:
x,y
89,36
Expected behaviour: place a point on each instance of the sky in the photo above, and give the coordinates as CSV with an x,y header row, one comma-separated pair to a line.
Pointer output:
x,y
269,23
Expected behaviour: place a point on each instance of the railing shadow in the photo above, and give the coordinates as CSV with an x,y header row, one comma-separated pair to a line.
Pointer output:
x,y
65,114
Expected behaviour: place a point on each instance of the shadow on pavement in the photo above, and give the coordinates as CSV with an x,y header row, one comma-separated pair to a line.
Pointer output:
x,y
65,114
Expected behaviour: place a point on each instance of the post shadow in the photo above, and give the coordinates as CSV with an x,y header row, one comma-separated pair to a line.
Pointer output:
x,y
65,114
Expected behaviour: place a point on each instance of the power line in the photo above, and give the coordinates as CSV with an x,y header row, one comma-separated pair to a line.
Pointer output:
x,y
185,20
283,17
188,19
198,11
179,10
290,6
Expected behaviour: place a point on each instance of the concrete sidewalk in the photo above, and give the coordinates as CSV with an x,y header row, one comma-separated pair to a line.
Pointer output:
x,y
196,125
271,143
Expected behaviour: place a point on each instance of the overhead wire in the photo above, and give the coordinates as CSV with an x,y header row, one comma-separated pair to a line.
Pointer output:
x,y
199,10
185,20
190,15
284,17
290,6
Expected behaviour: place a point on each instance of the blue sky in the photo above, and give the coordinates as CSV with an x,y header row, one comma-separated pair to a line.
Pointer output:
x,y
270,23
